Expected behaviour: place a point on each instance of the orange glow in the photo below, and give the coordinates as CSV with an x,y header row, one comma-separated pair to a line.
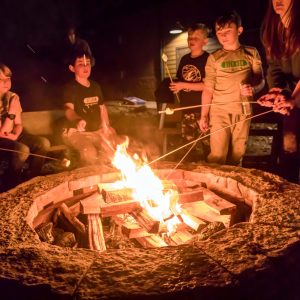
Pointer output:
x,y
147,188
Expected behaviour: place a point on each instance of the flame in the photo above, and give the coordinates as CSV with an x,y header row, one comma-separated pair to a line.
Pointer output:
x,y
147,188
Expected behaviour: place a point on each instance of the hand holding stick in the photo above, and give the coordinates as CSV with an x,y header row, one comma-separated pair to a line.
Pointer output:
x,y
164,58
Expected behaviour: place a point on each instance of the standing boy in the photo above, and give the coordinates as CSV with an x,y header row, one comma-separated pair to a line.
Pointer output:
x,y
233,74
190,74
88,130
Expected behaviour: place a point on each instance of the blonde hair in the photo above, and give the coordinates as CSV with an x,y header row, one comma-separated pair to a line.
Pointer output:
x,y
5,70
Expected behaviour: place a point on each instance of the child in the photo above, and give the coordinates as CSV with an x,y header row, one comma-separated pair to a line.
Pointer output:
x,y
12,136
190,74
233,74
88,130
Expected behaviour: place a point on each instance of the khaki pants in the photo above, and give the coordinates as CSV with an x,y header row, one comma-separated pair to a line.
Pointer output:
x,y
227,145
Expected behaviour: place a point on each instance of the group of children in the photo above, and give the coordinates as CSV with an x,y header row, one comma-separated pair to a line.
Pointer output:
x,y
228,78
86,129
223,82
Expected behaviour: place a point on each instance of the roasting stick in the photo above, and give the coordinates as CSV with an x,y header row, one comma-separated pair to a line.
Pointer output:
x,y
170,111
164,58
65,162
204,136
185,155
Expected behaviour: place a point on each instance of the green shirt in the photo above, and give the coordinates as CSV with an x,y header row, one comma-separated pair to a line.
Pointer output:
x,y
226,70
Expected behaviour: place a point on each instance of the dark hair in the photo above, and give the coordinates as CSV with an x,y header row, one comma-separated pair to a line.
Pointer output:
x,y
227,18
199,26
78,54
280,41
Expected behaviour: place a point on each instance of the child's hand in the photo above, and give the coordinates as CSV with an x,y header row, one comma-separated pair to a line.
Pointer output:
x,y
278,100
11,136
246,90
80,126
203,124
175,87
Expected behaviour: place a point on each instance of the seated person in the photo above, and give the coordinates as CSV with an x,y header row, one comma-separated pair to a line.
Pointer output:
x,y
12,136
88,130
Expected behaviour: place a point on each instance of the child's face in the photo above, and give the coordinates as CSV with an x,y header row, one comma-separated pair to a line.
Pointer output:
x,y
5,83
82,67
196,40
228,36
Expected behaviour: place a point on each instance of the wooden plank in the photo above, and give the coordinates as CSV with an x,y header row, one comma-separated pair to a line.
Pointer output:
x,y
112,209
132,230
91,204
181,237
153,241
95,230
71,218
145,220
192,221
218,204
204,212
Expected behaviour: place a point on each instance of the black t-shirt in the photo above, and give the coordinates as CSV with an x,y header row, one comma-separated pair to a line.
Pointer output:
x,y
191,69
86,102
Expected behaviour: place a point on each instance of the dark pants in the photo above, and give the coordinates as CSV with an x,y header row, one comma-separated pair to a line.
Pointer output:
x,y
25,145
289,158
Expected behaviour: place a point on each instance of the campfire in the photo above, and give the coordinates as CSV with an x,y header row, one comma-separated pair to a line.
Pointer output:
x,y
151,209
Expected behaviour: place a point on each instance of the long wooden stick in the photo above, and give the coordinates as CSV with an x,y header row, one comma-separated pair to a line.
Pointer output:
x,y
203,137
200,105
169,74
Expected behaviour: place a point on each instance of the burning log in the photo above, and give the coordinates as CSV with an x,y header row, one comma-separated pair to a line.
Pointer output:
x,y
95,231
113,194
113,209
130,228
192,221
145,220
64,209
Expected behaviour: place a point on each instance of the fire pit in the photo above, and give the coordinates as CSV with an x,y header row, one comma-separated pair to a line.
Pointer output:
x,y
257,258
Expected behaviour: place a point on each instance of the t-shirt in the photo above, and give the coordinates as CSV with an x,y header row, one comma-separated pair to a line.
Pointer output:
x,y
9,103
86,101
191,69
226,70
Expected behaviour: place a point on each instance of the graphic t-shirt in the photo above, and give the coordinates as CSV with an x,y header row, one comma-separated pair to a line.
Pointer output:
x,y
86,102
226,70
191,69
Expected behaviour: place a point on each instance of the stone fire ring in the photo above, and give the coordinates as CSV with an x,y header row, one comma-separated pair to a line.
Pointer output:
x,y
259,259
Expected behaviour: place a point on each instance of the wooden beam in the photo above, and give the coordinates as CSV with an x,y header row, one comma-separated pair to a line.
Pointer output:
x,y
95,230
91,204
145,220
153,241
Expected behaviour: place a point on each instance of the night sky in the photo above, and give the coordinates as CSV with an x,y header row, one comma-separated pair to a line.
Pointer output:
x,y
124,36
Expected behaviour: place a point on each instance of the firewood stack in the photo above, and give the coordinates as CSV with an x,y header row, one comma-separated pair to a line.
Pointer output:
x,y
198,207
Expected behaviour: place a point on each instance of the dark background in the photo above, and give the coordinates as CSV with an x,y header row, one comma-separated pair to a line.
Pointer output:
x,y
125,37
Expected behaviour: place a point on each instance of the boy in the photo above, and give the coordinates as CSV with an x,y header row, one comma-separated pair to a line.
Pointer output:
x,y
233,74
190,74
88,130
12,136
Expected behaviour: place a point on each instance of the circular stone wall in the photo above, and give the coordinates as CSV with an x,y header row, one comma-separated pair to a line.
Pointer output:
x,y
259,259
